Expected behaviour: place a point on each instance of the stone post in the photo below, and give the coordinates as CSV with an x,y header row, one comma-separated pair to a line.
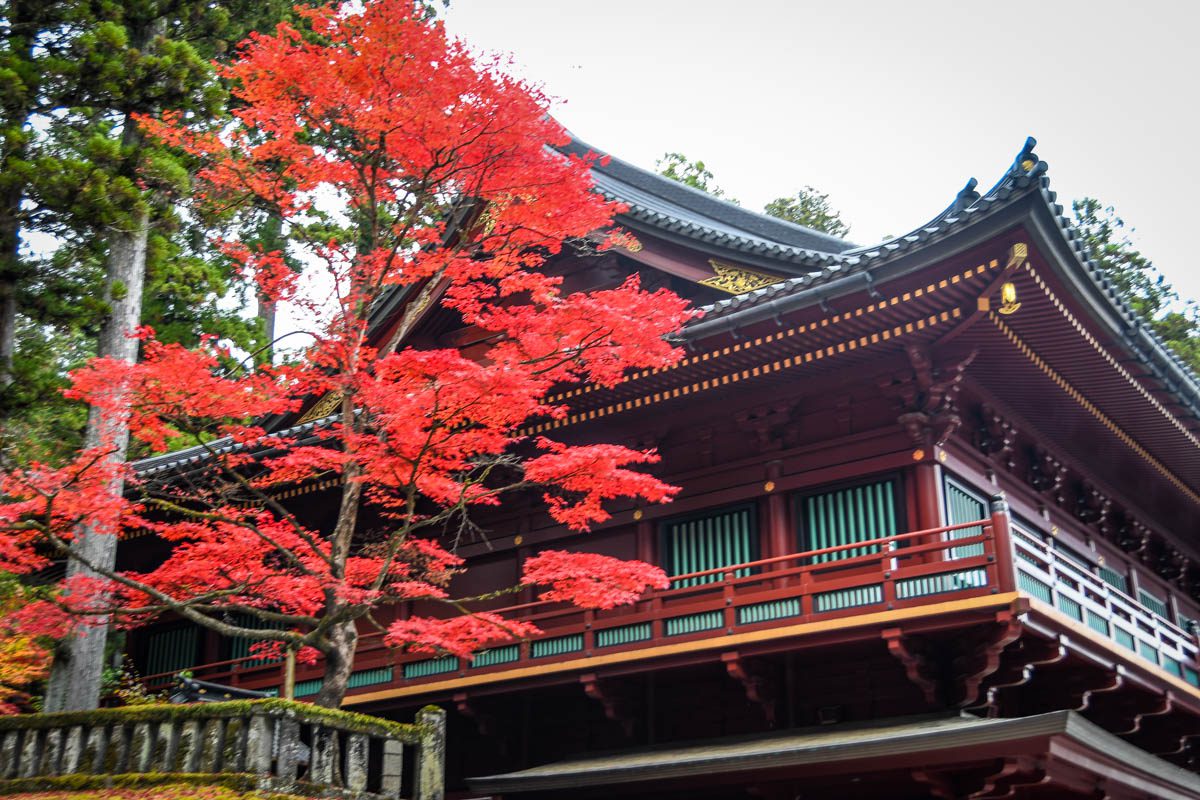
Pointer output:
x,y
357,753
431,760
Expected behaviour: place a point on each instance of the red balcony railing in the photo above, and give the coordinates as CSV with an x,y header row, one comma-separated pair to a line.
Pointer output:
x,y
902,571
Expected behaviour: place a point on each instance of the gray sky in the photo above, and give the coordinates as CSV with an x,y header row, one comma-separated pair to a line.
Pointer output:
x,y
887,106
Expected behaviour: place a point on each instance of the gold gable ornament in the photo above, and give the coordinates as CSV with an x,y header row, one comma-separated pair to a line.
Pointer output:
x,y
1008,298
322,408
737,280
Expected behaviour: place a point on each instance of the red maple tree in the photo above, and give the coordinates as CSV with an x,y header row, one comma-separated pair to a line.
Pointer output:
x,y
404,166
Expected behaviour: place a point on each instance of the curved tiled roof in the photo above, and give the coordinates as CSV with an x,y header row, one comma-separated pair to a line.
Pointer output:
x,y
680,211
831,266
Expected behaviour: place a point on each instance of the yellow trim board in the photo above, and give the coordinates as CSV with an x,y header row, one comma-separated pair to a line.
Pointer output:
x,y
694,646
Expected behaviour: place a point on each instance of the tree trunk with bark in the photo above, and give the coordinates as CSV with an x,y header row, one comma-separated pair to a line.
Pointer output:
x,y
339,663
77,673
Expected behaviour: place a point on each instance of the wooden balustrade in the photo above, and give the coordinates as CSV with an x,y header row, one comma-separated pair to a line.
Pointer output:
x,y
901,571
1073,589
272,745
910,569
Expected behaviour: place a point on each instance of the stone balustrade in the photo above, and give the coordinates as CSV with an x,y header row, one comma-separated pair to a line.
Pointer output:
x,y
273,745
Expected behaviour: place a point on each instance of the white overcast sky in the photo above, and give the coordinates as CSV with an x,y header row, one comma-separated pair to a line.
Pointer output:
x,y
888,106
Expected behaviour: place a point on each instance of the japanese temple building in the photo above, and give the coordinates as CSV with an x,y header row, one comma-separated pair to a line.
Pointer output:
x,y
936,536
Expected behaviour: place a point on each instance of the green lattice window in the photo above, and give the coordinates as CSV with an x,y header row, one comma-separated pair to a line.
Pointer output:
x,y
709,541
848,515
172,650
1154,603
1114,578
239,646
964,505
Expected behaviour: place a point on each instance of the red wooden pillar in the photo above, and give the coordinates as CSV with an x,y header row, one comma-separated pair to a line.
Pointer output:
x,y
777,524
1006,575
929,506
645,543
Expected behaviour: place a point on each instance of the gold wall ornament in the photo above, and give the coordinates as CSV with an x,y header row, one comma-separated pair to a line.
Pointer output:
x,y
1008,298
322,408
737,280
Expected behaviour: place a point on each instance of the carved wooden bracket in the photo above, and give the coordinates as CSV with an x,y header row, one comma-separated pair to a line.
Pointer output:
x,y
930,416
484,723
1123,714
981,659
1018,772
999,779
1047,474
916,665
1085,687
766,423
996,437
1092,507
616,703
1133,537
761,688
1171,564
1021,663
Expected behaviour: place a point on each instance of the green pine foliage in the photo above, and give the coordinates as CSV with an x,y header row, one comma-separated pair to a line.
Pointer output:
x,y
71,74
678,167
1176,321
810,208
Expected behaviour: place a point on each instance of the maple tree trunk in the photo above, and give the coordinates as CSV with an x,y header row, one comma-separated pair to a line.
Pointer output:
x,y
339,663
266,313
75,678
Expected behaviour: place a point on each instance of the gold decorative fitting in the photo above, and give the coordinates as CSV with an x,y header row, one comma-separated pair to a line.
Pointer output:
x,y
737,280
638,514
942,456
322,408
1054,530
769,486
1008,298
1028,164
918,454
518,539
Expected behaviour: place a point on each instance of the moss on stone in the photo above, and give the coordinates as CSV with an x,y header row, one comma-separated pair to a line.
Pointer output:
x,y
345,720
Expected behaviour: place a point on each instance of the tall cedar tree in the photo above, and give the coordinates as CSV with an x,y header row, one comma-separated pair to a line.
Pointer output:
x,y
359,130
73,174
106,194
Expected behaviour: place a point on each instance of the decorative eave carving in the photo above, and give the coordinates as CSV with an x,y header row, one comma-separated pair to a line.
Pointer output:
x,y
1046,475
736,279
928,397
996,437
768,424
1092,507
1133,537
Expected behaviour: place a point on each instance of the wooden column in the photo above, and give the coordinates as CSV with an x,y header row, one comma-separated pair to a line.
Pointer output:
x,y
926,477
1006,575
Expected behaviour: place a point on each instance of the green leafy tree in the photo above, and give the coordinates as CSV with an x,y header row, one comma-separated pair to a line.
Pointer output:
x,y
1137,280
810,208
677,167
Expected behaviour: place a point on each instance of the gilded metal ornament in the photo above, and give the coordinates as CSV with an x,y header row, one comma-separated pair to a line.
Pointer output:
x,y
738,280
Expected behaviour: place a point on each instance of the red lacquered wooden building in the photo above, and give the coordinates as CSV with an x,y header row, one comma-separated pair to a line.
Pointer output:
x,y
937,535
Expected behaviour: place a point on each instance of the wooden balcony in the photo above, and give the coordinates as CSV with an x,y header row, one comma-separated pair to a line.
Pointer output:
x,y
910,576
